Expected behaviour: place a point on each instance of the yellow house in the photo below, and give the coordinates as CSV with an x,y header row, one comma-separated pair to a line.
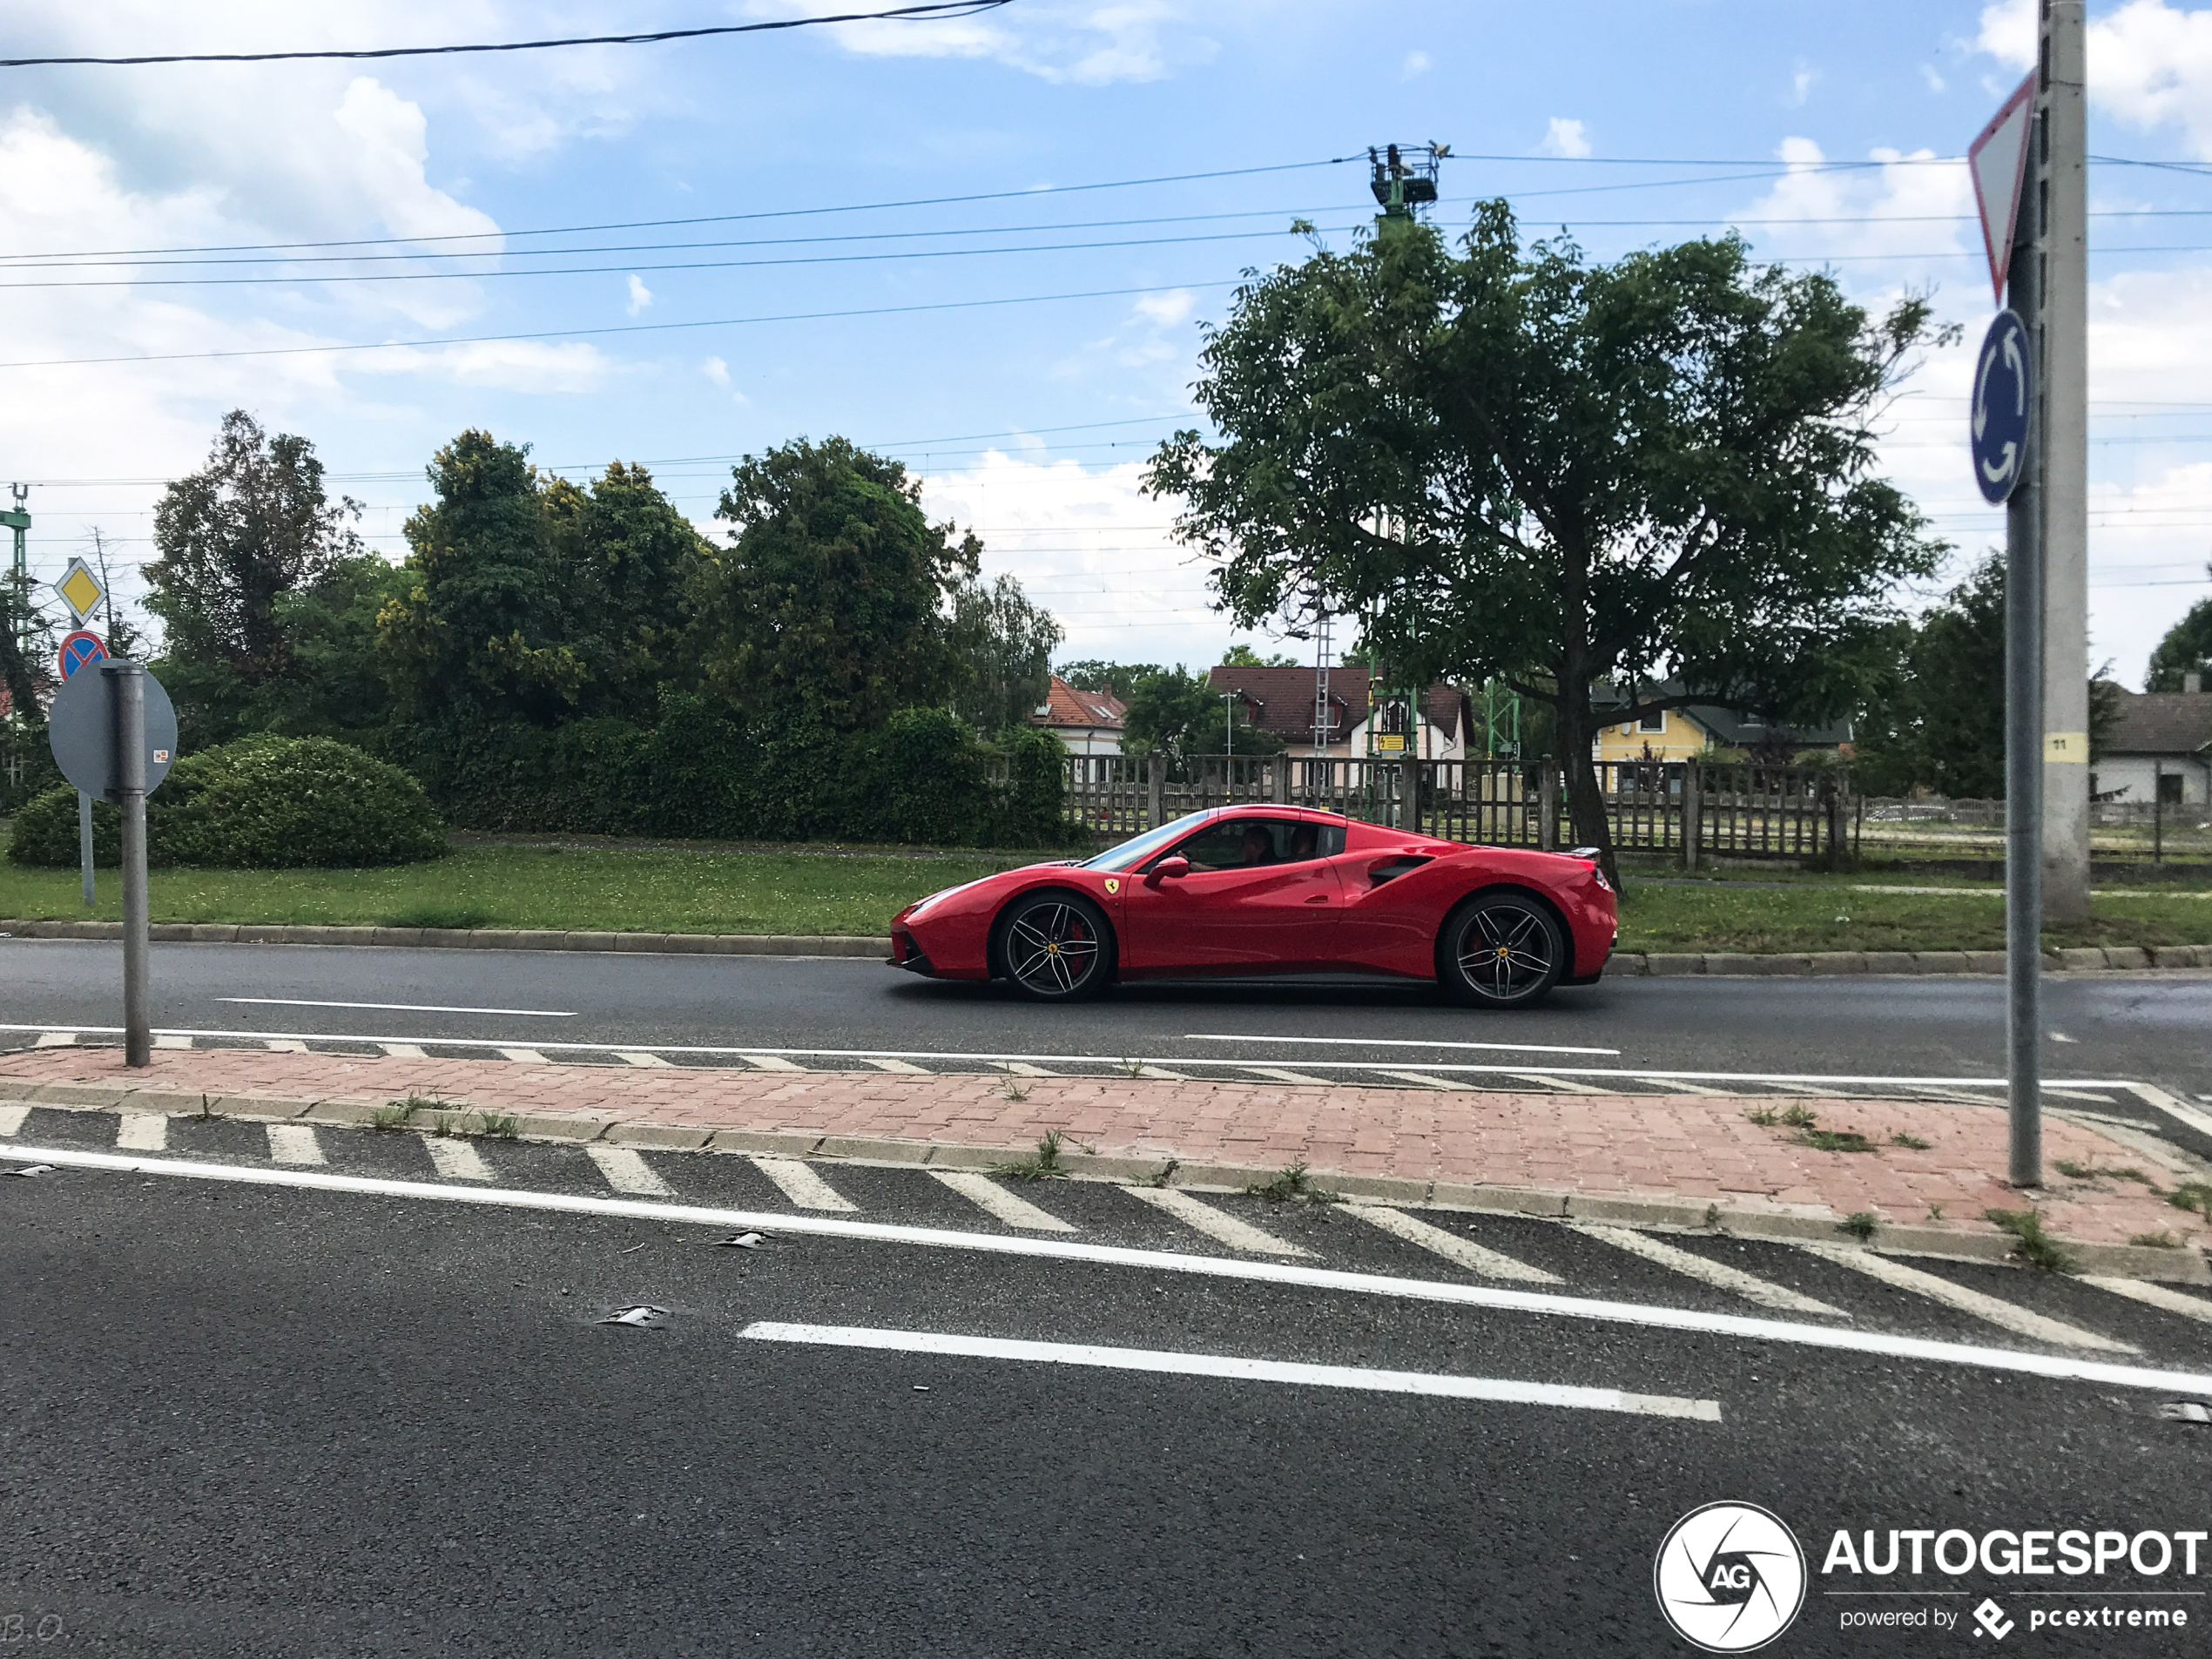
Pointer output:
x,y
1685,733
1672,734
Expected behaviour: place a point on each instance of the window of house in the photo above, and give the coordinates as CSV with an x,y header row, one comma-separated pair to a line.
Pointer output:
x,y
1653,721
2169,788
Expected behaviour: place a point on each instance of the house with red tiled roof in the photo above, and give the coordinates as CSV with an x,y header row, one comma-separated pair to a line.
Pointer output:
x,y
1282,701
1088,723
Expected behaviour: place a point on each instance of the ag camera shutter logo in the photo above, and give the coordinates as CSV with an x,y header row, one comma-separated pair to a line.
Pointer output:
x,y
1730,1577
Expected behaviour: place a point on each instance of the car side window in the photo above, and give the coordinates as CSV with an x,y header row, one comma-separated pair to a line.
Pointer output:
x,y
1249,843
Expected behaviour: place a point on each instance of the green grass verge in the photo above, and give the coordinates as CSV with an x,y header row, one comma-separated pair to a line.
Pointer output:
x,y
726,891
585,890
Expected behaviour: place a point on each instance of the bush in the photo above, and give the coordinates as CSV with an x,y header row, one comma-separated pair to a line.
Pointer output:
x,y
261,803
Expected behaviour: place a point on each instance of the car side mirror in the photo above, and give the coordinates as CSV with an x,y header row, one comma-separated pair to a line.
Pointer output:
x,y
1168,867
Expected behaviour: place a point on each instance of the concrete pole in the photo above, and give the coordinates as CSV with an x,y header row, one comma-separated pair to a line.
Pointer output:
x,y
131,788
2025,767
2060,175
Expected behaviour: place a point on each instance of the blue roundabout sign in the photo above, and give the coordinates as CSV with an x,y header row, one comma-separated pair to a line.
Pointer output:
x,y
2004,394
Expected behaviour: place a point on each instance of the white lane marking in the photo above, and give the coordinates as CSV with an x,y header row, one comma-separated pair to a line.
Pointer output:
x,y
1146,1068
638,1057
1013,1209
400,1007
797,1181
1681,1088
528,1056
1476,1258
1565,1085
54,1039
1001,1059
403,1051
903,1066
286,1045
294,1144
455,1160
2062,1368
2165,1298
1720,1275
627,1172
2009,1316
770,1062
1495,1389
1423,1079
1279,1074
142,1132
12,1119
1395,1043
2180,1110
1216,1224
166,1041
2076,1094
1022,1069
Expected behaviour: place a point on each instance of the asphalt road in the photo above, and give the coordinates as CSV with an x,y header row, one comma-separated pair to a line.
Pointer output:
x,y
2154,1027
260,1420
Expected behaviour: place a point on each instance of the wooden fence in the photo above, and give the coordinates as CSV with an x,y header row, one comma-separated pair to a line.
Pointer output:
x,y
1692,809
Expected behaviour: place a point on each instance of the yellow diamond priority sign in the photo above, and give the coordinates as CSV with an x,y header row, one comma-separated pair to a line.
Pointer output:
x,y
80,590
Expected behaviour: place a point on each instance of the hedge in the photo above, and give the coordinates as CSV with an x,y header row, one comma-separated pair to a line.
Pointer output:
x,y
260,802
698,773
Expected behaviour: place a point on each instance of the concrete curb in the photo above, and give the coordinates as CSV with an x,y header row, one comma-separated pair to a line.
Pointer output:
x,y
1794,1224
1634,965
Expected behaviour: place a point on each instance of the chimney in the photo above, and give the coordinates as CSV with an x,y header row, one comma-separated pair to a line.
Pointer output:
x,y
2193,682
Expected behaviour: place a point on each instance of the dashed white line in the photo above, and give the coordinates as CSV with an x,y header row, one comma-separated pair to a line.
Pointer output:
x,y
1678,1086
1499,1298
1423,1080
797,1181
1279,1074
1720,1275
167,1040
294,1144
1565,1086
400,1007
403,1051
528,1056
12,1119
55,1040
142,1132
903,1067
1476,1258
639,1057
1010,1208
1395,1043
2164,1298
1160,1073
770,1062
1023,1068
1216,1225
1497,1390
455,1160
286,1045
627,1172
2008,1316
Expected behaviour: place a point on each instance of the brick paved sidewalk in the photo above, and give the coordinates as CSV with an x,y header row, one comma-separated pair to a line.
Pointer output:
x,y
1657,1157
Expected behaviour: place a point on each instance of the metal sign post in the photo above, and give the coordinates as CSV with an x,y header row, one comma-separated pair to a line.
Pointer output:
x,y
113,732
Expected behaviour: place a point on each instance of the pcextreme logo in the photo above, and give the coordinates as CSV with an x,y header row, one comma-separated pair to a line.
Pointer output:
x,y
1730,1577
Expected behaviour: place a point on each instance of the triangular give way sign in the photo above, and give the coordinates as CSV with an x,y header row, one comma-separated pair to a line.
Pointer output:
x,y
1997,160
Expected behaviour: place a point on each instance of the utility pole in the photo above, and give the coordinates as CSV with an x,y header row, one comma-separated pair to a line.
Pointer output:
x,y
2058,187
18,520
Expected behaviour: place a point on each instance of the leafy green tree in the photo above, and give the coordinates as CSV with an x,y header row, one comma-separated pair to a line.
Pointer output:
x,y
627,559
1241,655
2186,649
233,539
830,605
1935,715
1007,644
1180,714
1517,462
1117,679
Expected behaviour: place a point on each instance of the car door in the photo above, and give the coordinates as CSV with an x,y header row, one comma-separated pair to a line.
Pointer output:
x,y
1256,898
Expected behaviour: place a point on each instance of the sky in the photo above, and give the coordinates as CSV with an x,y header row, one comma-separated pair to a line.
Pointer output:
x,y
989,246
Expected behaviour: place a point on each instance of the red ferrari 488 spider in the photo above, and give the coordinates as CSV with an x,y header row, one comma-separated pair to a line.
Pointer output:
x,y
1274,890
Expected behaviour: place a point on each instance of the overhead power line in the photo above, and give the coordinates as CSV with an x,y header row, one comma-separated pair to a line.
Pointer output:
x,y
941,11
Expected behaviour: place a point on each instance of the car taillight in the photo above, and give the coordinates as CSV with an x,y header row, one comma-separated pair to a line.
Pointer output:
x,y
1598,876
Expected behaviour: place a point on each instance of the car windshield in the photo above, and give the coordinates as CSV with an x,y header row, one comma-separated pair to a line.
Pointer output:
x,y
1135,851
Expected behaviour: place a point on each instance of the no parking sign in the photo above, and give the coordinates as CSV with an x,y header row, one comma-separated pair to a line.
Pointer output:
x,y
82,647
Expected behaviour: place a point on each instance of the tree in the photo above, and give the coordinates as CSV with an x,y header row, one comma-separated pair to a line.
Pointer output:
x,y
1935,715
1515,461
233,539
1116,679
2186,649
831,603
1007,644
1243,656
1179,714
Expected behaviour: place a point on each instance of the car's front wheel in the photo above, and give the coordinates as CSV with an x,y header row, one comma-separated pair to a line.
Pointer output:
x,y
1054,948
1500,950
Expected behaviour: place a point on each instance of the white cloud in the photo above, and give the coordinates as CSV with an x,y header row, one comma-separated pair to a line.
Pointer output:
x,y
1565,138
509,365
1077,41
1899,209
1416,63
1802,82
390,144
1092,547
1166,309
2150,63
640,295
717,371
1935,82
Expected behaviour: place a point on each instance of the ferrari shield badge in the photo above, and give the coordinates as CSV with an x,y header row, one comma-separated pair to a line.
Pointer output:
x,y
1113,884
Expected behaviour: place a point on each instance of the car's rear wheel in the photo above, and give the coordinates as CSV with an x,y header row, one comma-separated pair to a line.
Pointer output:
x,y
1500,950
1054,948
